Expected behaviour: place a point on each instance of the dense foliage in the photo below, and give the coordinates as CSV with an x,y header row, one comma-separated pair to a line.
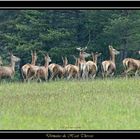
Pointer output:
x,y
59,32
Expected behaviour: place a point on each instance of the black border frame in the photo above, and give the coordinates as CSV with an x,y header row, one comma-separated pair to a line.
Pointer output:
x,y
69,134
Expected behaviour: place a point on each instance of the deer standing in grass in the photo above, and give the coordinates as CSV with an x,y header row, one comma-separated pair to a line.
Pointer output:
x,y
92,65
72,71
25,68
130,65
9,71
57,70
42,72
82,65
32,72
109,66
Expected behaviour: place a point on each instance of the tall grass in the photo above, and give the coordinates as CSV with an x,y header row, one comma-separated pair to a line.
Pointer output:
x,y
112,104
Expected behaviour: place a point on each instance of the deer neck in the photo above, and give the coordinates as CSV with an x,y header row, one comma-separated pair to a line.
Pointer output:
x,y
81,56
95,59
76,62
112,56
33,61
13,65
46,64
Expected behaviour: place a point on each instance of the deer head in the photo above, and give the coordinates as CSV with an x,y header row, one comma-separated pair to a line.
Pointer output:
x,y
85,55
1,63
114,51
95,56
15,58
47,58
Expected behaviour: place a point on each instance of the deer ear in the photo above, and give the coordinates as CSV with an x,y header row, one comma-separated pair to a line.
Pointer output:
x,y
74,57
99,54
10,53
110,47
79,49
35,52
62,58
65,58
92,54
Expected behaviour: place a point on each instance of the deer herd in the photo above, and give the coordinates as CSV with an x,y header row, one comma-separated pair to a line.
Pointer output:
x,y
82,69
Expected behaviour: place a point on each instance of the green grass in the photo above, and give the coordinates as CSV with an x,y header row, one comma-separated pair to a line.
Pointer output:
x,y
112,104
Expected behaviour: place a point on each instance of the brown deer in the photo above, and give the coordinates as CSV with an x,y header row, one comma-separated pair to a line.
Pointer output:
x,y
82,65
92,65
131,65
25,68
57,70
72,71
9,71
109,66
42,72
32,72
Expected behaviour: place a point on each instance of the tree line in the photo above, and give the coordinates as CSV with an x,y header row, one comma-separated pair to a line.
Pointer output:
x,y
60,32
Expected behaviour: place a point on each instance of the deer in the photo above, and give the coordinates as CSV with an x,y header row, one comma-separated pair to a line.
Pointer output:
x,y
92,65
130,65
42,72
32,72
9,71
57,70
72,71
25,68
109,66
82,64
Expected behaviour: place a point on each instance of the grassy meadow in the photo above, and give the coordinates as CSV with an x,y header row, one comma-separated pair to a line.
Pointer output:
x,y
111,104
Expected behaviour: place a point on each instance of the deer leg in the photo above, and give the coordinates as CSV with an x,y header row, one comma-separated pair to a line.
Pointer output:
x,y
25,80
24,77
38,80
78,76
46,77
94,76
136,73
111,75
61,76
86,75
103,75
127,71
31,78
107,74
83,76
52,76
69,76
